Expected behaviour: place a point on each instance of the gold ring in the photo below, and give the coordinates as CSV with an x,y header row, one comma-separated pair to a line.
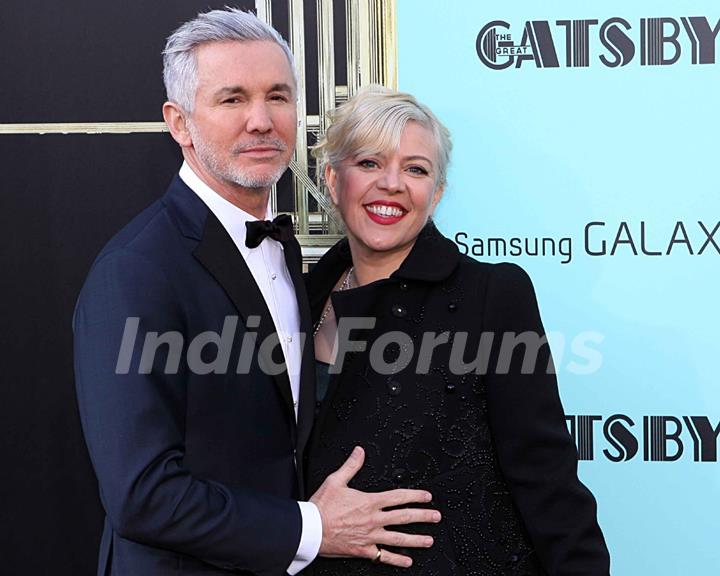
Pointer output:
x,y
378,556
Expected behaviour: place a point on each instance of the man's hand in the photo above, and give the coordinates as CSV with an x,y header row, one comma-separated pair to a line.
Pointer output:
x,y
354,522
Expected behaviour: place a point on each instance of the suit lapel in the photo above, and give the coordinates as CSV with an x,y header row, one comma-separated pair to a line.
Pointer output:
x,y
306,408
219,255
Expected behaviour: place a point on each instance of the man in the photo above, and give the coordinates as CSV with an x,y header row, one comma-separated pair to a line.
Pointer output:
x,y
195,425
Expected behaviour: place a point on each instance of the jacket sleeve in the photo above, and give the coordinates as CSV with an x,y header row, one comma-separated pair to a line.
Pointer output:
x,y
133,422
536,453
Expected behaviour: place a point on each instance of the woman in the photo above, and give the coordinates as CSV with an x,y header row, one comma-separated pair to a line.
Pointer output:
x,y
434,397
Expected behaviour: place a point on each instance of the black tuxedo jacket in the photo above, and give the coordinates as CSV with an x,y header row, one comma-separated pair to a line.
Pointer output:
x,y
197,471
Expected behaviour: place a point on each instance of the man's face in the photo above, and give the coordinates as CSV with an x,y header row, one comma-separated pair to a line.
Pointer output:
x,y
245,119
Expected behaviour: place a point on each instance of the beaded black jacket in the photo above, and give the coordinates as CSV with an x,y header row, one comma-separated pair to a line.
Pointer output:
x,y
485,434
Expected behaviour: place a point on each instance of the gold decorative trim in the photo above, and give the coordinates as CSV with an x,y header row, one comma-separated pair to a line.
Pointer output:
x,y
304,181
297,44
263,9
371,42
390,41
318,240
84,128
326,61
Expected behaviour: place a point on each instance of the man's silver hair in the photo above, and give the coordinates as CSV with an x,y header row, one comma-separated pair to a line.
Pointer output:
x,y
180,72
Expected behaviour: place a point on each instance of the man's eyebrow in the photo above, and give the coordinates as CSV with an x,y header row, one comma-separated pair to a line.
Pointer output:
x,y
281,87
232,90
228,90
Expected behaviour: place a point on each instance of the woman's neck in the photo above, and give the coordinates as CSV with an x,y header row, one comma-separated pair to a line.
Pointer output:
x,y
370,266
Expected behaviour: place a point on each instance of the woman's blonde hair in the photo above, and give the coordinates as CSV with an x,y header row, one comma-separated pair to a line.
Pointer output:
x,y
372,122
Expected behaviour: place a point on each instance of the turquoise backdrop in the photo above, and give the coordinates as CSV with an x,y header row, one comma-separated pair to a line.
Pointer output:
x,y
583,157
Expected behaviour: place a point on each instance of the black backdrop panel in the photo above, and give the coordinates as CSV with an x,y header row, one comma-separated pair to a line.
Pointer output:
x,y
88,61
61,198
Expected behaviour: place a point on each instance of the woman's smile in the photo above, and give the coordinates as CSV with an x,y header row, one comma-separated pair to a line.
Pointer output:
x,y
384,212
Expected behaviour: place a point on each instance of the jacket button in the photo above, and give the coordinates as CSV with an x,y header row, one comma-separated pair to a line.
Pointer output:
x,y
394,387
450,387
399,475
399,311
403,286
452,307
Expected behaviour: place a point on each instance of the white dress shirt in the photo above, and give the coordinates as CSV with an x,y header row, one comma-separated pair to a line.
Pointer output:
x,y
267,265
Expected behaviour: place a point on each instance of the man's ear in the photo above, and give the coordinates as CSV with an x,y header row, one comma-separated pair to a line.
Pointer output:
x,y
176,121
331,182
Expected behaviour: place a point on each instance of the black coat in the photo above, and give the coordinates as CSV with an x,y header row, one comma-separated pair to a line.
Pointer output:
x,y
492,447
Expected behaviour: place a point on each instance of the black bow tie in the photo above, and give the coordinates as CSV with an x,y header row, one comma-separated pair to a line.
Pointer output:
x,y
280,229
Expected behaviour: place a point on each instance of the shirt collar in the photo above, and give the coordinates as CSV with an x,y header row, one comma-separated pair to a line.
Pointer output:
x,y
433,258
230,216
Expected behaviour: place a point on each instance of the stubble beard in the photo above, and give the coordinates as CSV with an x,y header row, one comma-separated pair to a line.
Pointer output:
x,y
226,171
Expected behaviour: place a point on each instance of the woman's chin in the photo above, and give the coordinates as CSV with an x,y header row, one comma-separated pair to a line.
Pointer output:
x,y
385,243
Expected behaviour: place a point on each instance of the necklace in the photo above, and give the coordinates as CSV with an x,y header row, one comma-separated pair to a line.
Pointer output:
x,y
344,286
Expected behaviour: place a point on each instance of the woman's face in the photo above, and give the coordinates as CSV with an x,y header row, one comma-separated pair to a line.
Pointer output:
x,y
386,199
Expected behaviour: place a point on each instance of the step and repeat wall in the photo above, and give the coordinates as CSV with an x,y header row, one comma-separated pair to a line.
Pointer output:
x,y
62,197
585,143
585,149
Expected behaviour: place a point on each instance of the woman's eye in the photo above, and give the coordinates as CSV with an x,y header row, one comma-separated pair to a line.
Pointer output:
x,y
418,170
231,101
367,163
